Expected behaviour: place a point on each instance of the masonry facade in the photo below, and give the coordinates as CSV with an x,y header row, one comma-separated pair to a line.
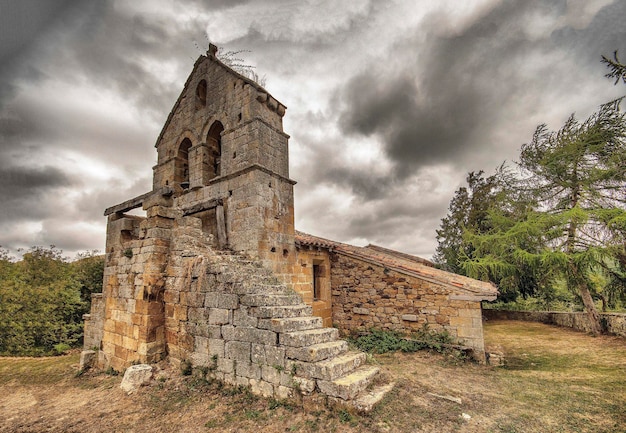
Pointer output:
x,y
216,275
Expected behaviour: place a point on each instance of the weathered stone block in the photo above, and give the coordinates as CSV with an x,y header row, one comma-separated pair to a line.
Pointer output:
x,y
241,317
136,376
271,374
282,392
252,335
237,350
226,365
306,338
317,352
261,387
248,369
216,347
290,324
87,359
219,316
221,300
268,355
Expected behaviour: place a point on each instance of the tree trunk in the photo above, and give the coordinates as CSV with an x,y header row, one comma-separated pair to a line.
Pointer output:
x,y
592,312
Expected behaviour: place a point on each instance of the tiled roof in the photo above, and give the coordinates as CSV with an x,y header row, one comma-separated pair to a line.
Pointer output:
x,y
405,264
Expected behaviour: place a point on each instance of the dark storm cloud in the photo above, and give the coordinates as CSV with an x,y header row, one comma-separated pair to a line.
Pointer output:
x,y
218,4
22,189
23,25
441,102
605,34
428,111
23,186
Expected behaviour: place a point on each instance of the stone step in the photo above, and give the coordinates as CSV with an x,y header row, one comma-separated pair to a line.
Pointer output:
x,y
330,369
366,401
349,386
259,300
308,338
317,352
291,324
268,312
254,288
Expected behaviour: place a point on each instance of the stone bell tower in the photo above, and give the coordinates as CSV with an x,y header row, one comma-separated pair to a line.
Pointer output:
x,y
222,169
224,155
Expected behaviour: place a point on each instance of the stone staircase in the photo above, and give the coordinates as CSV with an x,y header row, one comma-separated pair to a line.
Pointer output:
x,y
301,356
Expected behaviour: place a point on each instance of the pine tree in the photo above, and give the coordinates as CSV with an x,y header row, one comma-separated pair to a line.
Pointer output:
x,y
577,176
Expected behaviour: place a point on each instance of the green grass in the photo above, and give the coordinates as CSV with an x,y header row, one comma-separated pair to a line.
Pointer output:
x,y
560,380
34,371
554,380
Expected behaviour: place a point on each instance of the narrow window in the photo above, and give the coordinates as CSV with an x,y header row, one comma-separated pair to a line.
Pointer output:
x,y
201,94
181,172
317,282
214,151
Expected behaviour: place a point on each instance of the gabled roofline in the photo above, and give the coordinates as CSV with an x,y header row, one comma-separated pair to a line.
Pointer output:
x,y
464,287
402,255
210,55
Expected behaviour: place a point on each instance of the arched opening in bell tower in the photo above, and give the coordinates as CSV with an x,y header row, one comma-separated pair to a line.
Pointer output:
x,y
214,149
181,172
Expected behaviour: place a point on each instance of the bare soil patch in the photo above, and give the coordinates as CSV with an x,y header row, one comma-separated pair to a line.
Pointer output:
x,y
555,380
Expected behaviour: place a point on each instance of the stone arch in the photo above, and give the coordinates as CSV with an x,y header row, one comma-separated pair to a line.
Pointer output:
x,y
201,91
181,167
214,149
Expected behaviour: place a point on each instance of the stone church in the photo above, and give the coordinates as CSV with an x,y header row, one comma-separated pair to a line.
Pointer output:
x,y
216,275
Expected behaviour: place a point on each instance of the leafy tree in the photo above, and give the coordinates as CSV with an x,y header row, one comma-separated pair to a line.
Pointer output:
x,y
577,176
88,269
40,300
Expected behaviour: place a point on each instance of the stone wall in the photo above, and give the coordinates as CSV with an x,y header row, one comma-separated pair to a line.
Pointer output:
x,y
94,323
615,322
366,296
306,283
136,255
228,316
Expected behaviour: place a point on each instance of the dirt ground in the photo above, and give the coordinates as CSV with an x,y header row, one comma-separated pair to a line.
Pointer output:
x,y
554,380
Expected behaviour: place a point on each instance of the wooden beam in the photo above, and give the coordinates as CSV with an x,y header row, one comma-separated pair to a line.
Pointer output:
x,y
200,207
131,204
222,239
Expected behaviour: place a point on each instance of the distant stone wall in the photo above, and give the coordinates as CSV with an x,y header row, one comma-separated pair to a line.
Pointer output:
x,y
615,322
366,296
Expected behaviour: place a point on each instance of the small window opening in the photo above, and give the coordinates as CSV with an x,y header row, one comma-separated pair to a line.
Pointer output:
x,y
285,253
239,117
181,172
317,282
273,249
201,94
234,155
214,154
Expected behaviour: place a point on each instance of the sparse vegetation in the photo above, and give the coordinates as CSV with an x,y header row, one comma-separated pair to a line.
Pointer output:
x,y
555,380
381,341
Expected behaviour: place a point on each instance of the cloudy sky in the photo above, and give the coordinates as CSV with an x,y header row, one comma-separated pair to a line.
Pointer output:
x,y
390,103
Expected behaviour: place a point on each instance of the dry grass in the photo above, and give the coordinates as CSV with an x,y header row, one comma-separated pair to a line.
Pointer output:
x,y
555,380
